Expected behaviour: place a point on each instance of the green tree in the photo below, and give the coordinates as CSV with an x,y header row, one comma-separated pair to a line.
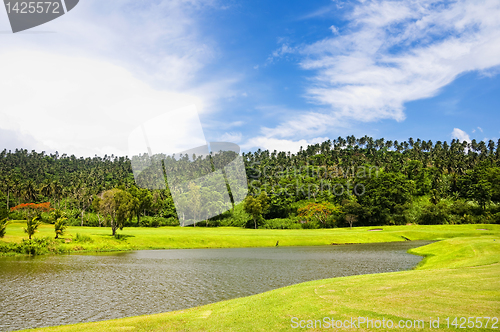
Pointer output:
x,y
60,226
119,206
32,226
475,185
144,199
493,176
3,227
96,203
352,210
256,206
318,212
384,196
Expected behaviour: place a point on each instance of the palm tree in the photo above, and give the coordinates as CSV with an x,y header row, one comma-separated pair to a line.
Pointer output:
x,y
60,226
29,190
3,227
31,226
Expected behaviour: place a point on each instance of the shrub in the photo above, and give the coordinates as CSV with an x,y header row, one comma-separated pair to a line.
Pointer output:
x,y
32,247
311,225
281,223
83,238
158,221
435,214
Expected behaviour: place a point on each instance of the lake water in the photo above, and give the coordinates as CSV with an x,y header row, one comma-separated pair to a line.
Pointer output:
x,y
65,289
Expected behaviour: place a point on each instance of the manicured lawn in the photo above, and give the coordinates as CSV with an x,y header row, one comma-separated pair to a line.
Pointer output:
x,y
100,239
452,282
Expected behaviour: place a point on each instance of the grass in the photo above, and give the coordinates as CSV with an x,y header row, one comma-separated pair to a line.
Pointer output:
x,y
100,239
452,282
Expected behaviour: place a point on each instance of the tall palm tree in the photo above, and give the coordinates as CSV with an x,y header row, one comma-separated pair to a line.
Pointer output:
x,y
29,190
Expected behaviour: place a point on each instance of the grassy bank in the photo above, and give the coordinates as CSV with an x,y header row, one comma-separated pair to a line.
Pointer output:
x,y
100,239
452,282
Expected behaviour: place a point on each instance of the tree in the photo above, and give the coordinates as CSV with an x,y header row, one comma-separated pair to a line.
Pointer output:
x,y
318,212
384,196
96,203
352,210
60,226
475,185
32,226
494,179
119,206
144,199
31,210
256,206
3,227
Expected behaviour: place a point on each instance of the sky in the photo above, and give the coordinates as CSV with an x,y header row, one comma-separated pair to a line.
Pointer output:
x,y
273,75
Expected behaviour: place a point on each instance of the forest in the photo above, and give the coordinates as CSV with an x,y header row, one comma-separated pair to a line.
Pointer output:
x,y
337,183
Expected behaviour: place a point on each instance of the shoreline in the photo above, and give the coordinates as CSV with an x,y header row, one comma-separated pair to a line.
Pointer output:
x,y
97,240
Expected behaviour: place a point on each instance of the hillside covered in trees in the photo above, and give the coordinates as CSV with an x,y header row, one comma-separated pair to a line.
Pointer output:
x,y
337,183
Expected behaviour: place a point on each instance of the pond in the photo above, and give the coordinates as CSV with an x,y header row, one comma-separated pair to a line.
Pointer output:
x,y
66,289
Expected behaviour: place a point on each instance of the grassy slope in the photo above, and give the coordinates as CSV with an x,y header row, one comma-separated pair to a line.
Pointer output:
x,y
178,237
432,290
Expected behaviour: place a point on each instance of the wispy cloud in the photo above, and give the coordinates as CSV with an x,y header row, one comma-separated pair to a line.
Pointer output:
x,y
282,51
334,30
389,53
232,137
393,52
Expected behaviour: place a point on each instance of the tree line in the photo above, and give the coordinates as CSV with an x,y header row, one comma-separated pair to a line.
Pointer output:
x,y
363,180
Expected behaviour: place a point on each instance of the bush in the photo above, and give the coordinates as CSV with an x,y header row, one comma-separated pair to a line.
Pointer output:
x,y
281,223
16,215
158,221
8,247
461,208
311,225
33,247
83,238
434,214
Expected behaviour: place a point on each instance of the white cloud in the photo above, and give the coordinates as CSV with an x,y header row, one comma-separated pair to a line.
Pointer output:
x,y
390,53
334,29
394,52
460,135
78,105
308,124
157,40
280,52
106,66
230,137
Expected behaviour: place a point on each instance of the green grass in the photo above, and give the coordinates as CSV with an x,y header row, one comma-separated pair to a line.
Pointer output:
x,y
100,239
452,282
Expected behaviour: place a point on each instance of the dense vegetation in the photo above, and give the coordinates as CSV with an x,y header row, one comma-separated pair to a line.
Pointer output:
x,y
335,183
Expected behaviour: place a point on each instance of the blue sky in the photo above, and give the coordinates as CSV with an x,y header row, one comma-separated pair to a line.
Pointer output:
x,y
262,74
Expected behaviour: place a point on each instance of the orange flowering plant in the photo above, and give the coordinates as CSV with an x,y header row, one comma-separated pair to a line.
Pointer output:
x,y
32,208
318,212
